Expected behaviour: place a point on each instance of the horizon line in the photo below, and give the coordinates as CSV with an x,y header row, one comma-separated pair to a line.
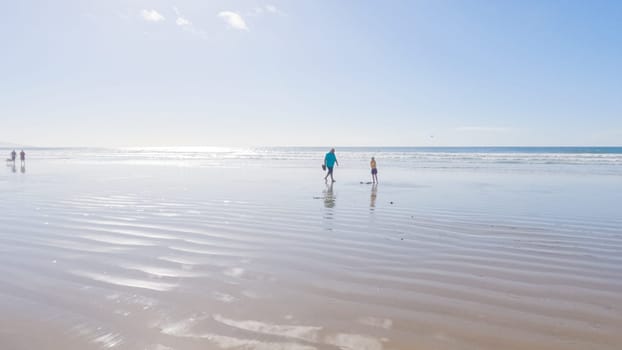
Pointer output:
x,y
8,145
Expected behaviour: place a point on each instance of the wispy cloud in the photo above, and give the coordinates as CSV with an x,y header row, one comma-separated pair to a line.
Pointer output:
x,y
265,10
233,19
186,25
181,21
483,128
274,10
151,16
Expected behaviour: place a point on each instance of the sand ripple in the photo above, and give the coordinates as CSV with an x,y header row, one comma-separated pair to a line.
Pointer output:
x,y
259,276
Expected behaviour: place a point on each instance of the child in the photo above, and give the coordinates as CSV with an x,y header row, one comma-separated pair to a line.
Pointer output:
x,y
374,170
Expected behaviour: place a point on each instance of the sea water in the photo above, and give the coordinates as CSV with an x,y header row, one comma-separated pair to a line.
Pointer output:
x,y
600,160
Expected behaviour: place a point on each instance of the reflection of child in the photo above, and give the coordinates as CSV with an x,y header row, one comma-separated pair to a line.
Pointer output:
x,y
374,170
374,191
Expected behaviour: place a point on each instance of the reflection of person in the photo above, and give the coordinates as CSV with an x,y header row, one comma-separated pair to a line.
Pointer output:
x,y
374,192
329,198
330,160
374,170
22,157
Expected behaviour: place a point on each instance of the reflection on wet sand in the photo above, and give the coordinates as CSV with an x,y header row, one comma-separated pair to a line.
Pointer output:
x,y
374,193
261,335
13,166
329,198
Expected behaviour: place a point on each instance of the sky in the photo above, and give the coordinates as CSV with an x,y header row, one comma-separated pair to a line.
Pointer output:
x,y
311,73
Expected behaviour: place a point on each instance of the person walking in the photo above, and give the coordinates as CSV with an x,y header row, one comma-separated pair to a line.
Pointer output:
x,y
329,161
13,155
22,157
374,171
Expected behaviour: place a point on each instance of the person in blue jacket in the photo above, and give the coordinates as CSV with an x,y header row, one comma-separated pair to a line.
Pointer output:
x,y
329,161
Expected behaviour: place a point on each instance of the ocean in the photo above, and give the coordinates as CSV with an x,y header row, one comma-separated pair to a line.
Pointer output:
x,y
601,160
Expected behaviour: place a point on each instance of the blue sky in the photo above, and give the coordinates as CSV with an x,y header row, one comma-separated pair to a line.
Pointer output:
x,y
310,72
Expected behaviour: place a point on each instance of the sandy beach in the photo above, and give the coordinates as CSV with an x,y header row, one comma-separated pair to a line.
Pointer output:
x,y
257,254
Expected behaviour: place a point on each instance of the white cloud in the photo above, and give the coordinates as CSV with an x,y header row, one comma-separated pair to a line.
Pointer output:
x,y
186,25
233,19
151,16
265,10
181,21
274,10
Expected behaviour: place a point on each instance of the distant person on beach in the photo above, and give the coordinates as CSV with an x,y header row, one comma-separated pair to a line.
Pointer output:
x,y
13,155
22,157
374,171
329,161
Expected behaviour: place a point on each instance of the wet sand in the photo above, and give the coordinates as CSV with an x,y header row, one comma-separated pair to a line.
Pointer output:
x,y
153,257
